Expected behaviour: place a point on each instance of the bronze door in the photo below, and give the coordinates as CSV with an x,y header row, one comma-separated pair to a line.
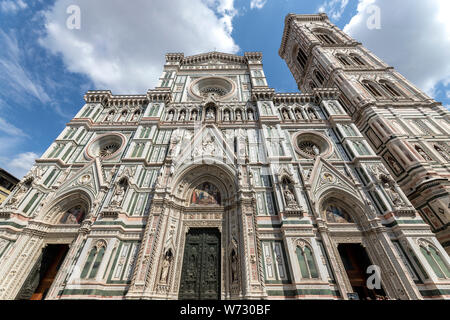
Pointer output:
x,y
200,275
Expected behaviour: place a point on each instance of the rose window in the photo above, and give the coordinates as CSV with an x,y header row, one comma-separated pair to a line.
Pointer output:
x,y
109,149
219,87
105,146
311,144
309,147
212,90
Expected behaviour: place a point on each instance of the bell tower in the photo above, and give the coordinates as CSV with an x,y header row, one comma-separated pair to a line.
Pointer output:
x,y
405,127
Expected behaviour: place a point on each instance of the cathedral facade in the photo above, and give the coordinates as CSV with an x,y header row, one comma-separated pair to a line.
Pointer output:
x,y
214,186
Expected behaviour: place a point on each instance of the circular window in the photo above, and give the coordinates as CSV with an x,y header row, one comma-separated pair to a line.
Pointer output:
x,y
312,144
217,87
109,149
105,146
309,148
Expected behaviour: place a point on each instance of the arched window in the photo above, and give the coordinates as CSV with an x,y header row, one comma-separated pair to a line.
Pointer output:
x,y
422,153
371,87
360,148
435,260
319,77
358,60
348,129
325,38
302,58
343,60
94,260
312,85
306,261
442,152
418,264
389,87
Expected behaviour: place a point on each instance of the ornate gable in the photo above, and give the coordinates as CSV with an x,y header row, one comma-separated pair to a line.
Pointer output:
x,y
206,145
325,176
91,178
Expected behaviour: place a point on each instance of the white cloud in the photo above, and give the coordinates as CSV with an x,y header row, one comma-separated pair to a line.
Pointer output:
x,y
448,94
334,8
10,6
14,78
22,163
121,46
258,4
414,38
10,138
10,129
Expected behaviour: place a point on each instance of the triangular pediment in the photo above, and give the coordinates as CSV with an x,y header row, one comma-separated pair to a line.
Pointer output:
x,y
214,57
90,177
207,144
325,176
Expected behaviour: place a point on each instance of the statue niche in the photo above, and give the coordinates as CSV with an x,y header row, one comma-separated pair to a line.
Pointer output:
x,y
206,194
119,193
166,266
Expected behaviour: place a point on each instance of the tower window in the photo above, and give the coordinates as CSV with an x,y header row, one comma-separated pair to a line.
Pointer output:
x,y
325,38
372,89
302,58
358,60
389,87
319,77
343,60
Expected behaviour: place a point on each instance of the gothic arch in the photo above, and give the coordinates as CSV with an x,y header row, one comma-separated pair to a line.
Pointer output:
x,y
54,211
348,201
194,175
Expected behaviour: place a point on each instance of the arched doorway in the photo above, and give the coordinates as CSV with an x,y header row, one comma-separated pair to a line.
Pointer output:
x,y
200,275
209,211
346,219
64,217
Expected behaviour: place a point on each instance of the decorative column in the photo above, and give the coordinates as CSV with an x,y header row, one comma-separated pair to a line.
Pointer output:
x,y
25,253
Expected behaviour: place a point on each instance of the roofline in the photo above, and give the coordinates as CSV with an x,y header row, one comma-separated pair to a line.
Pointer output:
x,y
9,175
179,57
298,17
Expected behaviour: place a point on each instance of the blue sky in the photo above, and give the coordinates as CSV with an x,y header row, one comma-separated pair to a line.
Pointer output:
x,y
45,68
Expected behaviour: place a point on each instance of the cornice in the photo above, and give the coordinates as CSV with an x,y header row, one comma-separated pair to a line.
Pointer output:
x,y
163,95
263,94
288,21
106,98
293,98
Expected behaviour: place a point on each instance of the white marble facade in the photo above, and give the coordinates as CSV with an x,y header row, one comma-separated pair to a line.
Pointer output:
x,y
295,177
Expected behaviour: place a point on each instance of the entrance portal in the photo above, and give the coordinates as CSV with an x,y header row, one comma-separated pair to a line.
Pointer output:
x,y
40,281
200,275
356,261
